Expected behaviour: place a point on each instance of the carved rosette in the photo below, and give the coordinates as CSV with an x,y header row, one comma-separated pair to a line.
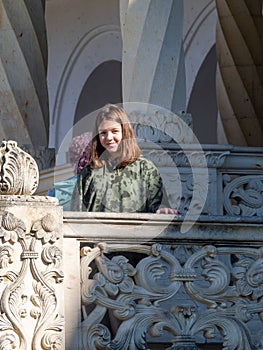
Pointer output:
x,y
30,273
18,170
222,292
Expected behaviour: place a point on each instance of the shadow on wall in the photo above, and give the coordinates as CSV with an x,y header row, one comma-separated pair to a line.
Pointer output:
x,y
104,85
203,104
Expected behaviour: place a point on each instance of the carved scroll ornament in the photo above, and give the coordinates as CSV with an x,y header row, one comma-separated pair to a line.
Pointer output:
x,y
243,195
222,292
18,170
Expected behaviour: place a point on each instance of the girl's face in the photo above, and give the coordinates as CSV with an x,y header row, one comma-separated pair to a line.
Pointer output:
x,y
110,135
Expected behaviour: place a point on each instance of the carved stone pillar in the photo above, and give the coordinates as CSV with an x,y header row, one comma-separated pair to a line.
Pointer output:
x,y
240,71
31,274
24,115
153,64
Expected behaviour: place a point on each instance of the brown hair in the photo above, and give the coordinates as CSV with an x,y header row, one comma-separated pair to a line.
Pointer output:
x,y
129,151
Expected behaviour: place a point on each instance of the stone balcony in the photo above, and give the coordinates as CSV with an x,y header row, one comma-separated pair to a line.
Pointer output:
x,y
161,282
76,280
141,283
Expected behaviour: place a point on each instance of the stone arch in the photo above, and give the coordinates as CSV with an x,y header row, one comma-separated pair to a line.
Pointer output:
x,y
199,38
101,44
104,85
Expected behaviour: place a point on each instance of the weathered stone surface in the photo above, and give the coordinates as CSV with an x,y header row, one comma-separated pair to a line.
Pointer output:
x,y
23,62
31,273
143,282
239,74
152,56
18,170
44,156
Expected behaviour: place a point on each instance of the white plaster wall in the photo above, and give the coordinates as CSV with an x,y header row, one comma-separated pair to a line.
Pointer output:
x,y
81,35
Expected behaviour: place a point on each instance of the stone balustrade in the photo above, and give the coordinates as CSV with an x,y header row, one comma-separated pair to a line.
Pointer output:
x,y
77,280
140,283
162,282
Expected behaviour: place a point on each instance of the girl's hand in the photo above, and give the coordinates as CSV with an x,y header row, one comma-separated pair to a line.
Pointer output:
x,y
167,211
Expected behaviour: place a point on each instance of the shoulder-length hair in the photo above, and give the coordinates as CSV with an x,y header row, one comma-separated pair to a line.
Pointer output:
x,y
129,149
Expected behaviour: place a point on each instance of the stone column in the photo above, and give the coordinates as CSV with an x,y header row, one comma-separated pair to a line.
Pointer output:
x,y
153,78
239,41
31,273
153,61
24,114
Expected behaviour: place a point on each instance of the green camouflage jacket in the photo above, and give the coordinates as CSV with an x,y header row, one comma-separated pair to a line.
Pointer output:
x,y
135,188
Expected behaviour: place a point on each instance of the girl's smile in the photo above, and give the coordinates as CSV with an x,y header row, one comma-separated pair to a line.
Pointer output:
x,y
110,135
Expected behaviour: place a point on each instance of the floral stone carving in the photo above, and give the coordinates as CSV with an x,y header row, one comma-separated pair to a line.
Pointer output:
x,y
30,275
18,170
127,304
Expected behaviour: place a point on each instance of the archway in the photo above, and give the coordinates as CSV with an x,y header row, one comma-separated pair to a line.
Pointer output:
x,y
104,85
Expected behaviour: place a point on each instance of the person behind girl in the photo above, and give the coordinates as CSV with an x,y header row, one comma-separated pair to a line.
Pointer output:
x,y
115,177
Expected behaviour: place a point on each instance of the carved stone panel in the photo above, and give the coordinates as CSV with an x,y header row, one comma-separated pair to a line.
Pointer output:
x,y
131,295
243,195
31,273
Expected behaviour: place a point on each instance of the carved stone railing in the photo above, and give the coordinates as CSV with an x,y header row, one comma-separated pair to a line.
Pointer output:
x,y
135,281
146,285
147,282
228,181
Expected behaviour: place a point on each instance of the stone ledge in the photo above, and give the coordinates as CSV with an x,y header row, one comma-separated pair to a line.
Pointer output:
x,y
138,228
6,200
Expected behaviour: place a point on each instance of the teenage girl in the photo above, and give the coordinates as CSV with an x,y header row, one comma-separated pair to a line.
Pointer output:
x,y
115,176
